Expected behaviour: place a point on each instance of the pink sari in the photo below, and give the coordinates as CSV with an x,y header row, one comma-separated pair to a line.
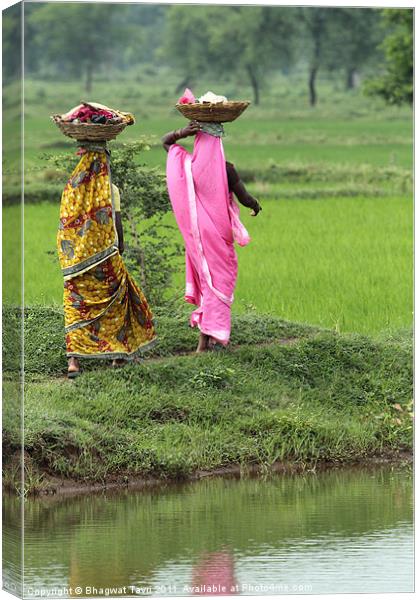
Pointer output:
x,y
208,219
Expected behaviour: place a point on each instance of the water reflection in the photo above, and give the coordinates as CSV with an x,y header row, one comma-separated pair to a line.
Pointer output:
x,y
338,531
213,574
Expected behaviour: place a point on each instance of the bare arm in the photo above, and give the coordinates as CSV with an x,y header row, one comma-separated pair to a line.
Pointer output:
x,y
246,199
237,186
173,136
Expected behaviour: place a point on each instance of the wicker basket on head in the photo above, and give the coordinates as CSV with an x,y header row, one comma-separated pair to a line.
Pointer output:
x,y
218,112
93,132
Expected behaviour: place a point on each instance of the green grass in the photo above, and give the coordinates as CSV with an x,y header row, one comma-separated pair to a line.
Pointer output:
x,y
332,247
343,263
340,263
252,156
343,127
333,244
321,396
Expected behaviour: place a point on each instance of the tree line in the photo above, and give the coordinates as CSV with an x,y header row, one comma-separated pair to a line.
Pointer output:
x,y
249,42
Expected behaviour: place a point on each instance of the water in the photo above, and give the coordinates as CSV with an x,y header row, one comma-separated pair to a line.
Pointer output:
x,y
339,531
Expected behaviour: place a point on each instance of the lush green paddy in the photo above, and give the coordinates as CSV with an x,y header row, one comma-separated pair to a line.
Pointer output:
x,y
333,245
344,263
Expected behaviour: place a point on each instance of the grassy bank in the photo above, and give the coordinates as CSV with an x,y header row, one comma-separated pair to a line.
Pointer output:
x,y
332,247
283,392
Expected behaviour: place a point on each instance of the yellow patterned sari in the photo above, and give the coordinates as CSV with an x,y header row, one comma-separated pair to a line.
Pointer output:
x,y
106,313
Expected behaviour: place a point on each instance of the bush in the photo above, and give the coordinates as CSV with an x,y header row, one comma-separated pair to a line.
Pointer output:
x,y
150,253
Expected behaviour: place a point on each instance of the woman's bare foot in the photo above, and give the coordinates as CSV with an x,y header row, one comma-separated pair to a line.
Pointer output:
x,y
214,345
202,343
73,369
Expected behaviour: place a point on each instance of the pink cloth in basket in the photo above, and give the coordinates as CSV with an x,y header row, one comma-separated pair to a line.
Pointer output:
x,y
208,219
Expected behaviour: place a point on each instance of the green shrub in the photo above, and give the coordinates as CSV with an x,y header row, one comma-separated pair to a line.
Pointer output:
x,y
150,253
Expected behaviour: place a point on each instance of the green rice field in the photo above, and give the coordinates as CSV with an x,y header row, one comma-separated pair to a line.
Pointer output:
x,y
343,263
333,244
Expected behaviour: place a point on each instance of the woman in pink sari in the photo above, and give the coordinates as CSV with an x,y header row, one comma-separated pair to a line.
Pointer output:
x,y
200,187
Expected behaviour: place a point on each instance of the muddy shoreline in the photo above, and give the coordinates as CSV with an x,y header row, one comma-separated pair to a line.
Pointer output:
x,y
67,487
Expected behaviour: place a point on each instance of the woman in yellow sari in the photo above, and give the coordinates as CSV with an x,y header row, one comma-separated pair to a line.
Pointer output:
x,y
106,313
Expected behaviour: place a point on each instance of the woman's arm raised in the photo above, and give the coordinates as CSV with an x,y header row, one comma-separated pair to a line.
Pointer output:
x,y
170,138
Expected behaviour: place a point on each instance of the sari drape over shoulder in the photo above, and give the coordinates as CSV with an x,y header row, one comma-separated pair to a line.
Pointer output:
x,y
208,219
106,313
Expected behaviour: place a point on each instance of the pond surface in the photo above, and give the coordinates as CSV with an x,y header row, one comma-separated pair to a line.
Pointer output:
x,y
338,531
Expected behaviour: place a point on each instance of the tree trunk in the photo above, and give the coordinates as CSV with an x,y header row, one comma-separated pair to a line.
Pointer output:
x,y
186,82
317,29
89,77
312,90
254,84
350,78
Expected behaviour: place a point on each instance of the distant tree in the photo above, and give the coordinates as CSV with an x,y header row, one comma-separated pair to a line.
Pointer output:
x,y
34,51
230,40
354,34
186,41
396,84
254,40
12,40
81,38
338,39
317,44
144,25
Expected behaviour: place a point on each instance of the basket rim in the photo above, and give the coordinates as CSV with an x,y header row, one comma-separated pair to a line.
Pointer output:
x,y
207,105
93,132
60,122
223,112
